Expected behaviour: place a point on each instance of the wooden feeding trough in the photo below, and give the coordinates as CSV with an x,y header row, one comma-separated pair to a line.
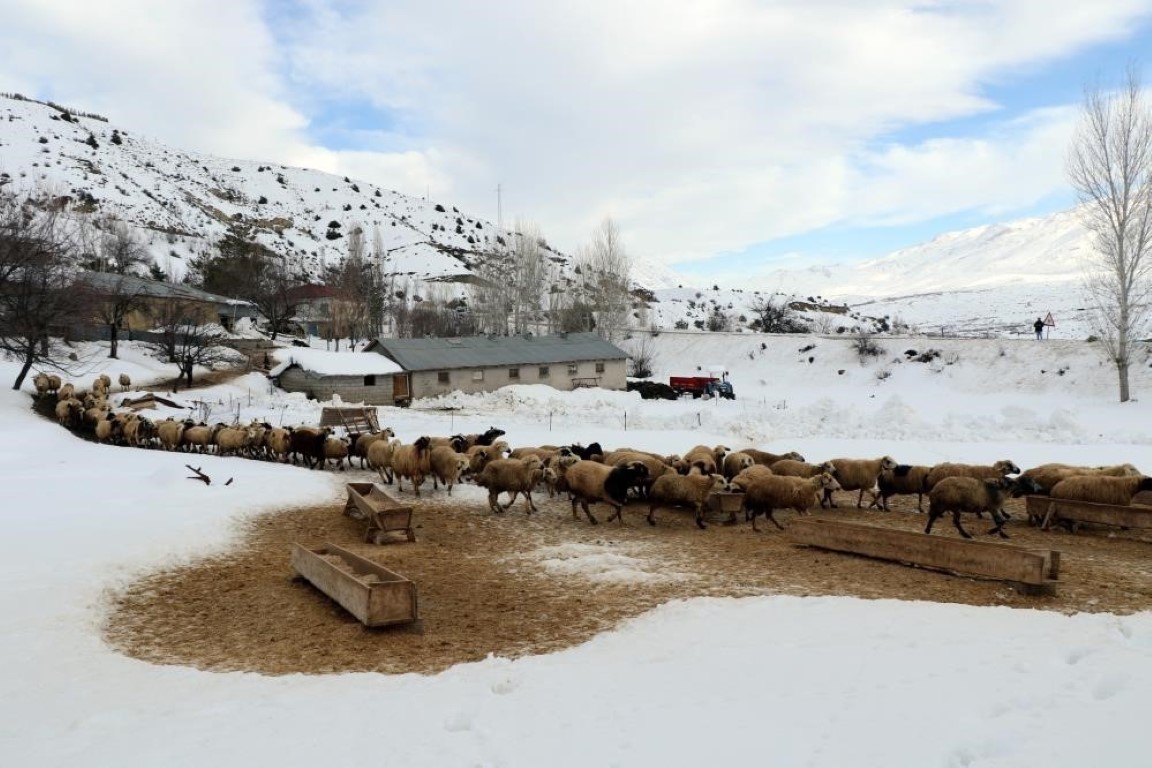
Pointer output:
x,y
383,513
369,591
1048,511
1036,570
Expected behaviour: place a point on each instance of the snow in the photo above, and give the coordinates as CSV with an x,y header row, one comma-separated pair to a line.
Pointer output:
x,y
333,363
767,680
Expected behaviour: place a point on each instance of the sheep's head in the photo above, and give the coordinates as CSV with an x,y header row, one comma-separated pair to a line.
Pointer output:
x,y
794,456
1005,467
889,463
828,468
1026,486
828,482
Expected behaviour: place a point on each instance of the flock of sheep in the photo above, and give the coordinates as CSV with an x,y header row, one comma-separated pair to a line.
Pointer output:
x,y
768,482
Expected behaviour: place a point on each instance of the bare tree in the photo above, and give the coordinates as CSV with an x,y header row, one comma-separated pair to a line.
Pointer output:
x,y
187,341
773,315
529,277
1110,167
606,270
38,256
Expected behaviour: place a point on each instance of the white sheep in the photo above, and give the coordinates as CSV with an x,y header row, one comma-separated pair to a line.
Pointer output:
x,y
380,454
411,461
858,475
447,466
125,382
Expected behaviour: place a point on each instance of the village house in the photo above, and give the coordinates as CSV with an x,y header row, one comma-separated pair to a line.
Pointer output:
x,y
354,377
155,300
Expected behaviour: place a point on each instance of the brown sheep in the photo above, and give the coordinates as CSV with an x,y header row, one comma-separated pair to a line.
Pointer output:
x,y
1001,468
65,392
511,476
1047,475
278,443
903,479
591,481
747,477
53,383
1101,489
169,431
767,494
673,490
69,412
412,461
793,468
858,475
336,449
364,442
125,382
768,459
958,494
447,466
735,463
231,440
703,460
40,382
197,436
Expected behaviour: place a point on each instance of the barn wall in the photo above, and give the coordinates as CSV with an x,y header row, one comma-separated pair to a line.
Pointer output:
x,y
614,376
350,388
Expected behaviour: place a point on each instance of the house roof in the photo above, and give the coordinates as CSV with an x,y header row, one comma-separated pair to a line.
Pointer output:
x,y
327,363
487,351
112,282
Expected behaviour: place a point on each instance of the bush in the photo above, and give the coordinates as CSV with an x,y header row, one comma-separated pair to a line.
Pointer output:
x,y
866,346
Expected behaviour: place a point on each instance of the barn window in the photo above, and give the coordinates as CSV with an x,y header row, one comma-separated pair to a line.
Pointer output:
x,y
599,367
513,373
573,369
370,380
477,375
442,377
543,371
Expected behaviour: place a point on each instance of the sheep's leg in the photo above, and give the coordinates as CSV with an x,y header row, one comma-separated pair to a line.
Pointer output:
x,y
588,512
651,513
956,522
417,481
860,500
511,500
827,501
493,502
771,515
919,503
531,506
999,519
932,516
618,514
701,523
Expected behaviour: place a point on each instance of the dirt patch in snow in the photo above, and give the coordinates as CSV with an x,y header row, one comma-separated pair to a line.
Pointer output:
x,y
512,585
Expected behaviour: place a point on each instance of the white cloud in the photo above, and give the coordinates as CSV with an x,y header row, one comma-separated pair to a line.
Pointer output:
x,y
724,123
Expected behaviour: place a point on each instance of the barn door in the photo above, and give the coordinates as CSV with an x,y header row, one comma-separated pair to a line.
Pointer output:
x,y
400,392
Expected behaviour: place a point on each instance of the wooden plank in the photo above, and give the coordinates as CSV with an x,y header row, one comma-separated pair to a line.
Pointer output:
x,y
383,513
992,560
1050,510
390,600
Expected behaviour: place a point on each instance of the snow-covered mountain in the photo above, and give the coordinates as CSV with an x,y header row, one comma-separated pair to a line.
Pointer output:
x,y
183,202
989,280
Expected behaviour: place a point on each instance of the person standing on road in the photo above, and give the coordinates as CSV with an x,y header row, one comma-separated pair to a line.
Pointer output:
x,y
1039,326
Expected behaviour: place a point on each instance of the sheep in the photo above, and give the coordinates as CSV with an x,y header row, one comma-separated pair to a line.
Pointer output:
x,y
512,476
702,459
137,430
1001,468
53,383
125,382
106,379
673,490
588,452
380,458
40,382
69,413
858,475
959,493
1101,489
766,494
170,433
65,392
793,468
336,449
457,443
591,481
308,443
447,466
478,458
487,438
231,440
364,442
278,443
411,461
198,436
107,429
655,466
735,463
768,459
1047,475
750,475
903,478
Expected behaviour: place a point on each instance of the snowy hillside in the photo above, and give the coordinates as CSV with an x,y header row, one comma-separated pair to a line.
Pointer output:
x,y
183,202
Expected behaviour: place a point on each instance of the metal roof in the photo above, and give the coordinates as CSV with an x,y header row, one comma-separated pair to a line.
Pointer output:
x,y
486,351
109,281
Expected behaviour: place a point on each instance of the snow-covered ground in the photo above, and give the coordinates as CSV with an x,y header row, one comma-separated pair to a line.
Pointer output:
x,y
778,681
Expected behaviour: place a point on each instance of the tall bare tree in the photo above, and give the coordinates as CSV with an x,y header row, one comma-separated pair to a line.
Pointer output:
x,y
38,259
528,280
1110,167
607,273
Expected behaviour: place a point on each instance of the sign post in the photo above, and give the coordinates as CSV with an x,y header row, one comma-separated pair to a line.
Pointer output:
x,y
1049,323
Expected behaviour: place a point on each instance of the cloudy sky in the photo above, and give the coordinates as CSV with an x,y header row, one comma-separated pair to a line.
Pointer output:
x,y
723,136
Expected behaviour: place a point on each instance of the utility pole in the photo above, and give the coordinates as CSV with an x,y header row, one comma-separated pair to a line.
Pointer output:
x,y
499,212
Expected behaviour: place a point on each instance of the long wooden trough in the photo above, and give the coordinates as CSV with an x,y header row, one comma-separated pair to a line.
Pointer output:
x,y
383,513
1037,569
369,591
1048,511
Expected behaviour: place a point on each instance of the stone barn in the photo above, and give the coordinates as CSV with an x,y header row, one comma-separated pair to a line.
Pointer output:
x,y
356,377
485,363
